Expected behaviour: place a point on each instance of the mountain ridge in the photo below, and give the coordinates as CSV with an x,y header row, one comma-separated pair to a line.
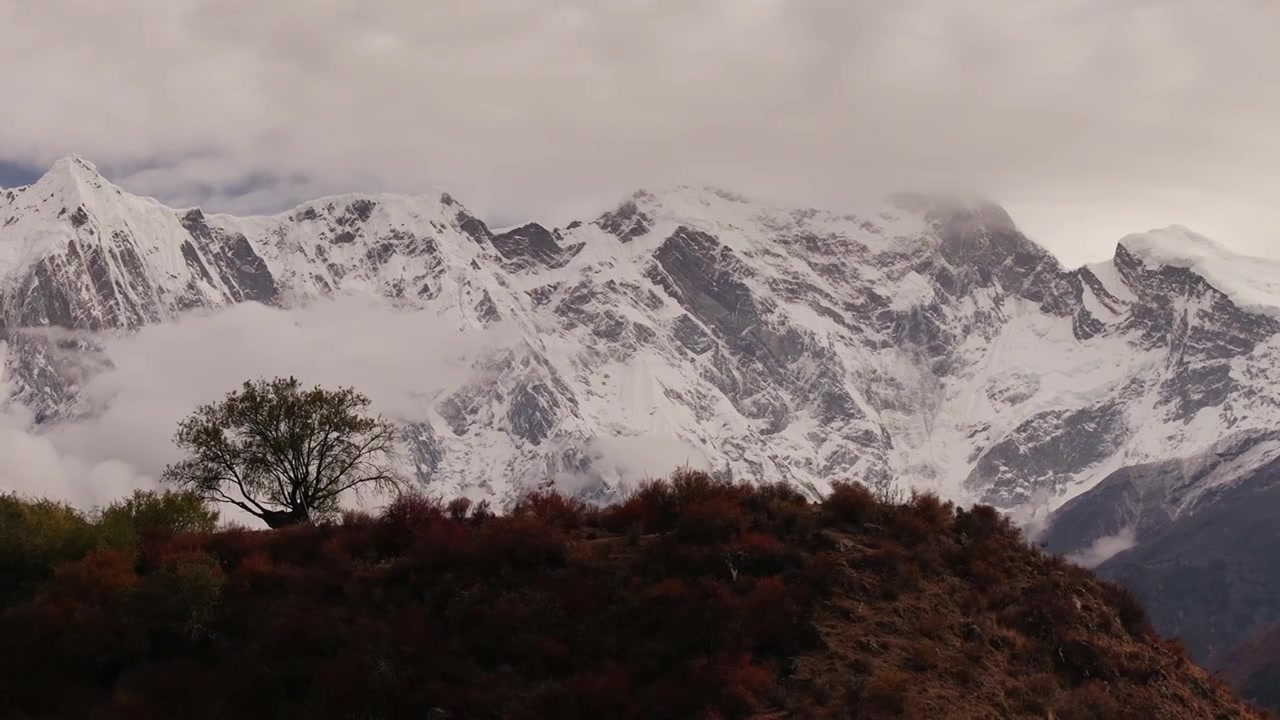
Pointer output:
x,y
860,305
923,341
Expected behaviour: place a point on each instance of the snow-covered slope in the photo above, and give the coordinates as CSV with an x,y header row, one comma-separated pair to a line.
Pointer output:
x,y
923,340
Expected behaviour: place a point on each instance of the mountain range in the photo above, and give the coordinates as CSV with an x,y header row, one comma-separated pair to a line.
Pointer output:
x,y
923,341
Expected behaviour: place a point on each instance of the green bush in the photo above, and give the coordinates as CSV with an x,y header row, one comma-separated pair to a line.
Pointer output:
x,y
35,536
124,522
180,599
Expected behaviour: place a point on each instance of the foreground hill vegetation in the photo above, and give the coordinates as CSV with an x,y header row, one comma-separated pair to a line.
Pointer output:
x,y
690,599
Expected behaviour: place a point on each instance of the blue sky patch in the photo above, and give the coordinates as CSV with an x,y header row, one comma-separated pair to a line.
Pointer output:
x,y
15,174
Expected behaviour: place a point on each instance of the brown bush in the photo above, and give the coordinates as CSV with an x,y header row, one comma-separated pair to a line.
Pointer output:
x,y
1094,701
552,508
1129,609
689,486
924,656
885,693
850,504
710,519
458,508
651,507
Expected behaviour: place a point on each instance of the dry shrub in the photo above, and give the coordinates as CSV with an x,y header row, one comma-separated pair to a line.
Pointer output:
x,y
925,518
747,686
885,693
761,554
984,524
934,625
552,508
898,570
97,580
1129,609
924,656
458,508
782,509
710,519
1095,701
773,615
1036,693
689,486
404,519
850,504
651,507
1048,610
520,544
932,509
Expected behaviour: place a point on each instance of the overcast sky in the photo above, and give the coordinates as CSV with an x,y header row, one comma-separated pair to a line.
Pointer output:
x,y
1088,119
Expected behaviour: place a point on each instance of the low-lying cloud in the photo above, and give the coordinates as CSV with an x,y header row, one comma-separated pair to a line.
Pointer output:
x,y
401,359
622,462
1105,548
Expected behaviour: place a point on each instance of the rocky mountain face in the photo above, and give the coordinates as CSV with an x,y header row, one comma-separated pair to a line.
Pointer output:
x,y
924,341
1198,539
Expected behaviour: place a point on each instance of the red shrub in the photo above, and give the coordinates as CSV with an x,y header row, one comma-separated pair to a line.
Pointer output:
x,y
850,504
403,520
520,543
651,507
761,554
552,508
97,580
688,486
984,524
714,518
746,686
774,617
598,693
256,573
885,693
231,547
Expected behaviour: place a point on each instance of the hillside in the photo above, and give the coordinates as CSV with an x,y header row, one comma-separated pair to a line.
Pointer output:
x,y
691,599
1253,668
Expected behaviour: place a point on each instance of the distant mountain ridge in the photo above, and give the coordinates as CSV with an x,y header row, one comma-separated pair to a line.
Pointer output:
x,y
924,338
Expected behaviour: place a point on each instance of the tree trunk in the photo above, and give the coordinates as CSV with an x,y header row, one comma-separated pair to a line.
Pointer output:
x,y
276,519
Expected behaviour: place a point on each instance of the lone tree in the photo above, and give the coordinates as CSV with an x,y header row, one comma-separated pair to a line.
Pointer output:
x,y
283,453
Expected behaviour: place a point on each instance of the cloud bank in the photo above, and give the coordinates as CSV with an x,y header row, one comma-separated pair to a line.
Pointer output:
x,y
400,359
1089,119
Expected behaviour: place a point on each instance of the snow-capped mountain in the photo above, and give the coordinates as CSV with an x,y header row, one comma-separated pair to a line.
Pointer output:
x,y
923,340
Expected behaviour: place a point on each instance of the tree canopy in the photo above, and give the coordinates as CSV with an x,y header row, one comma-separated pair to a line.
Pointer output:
x,y
283,453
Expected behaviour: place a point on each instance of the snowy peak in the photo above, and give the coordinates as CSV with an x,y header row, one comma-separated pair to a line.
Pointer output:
x,y
75,167
925,338
1252,284
1175,245
71,179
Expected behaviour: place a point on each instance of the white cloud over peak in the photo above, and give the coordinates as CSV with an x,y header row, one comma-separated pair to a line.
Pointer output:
x,y
1090,119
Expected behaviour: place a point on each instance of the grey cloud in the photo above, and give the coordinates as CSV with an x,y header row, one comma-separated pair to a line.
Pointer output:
x,y
1088,118
401,359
